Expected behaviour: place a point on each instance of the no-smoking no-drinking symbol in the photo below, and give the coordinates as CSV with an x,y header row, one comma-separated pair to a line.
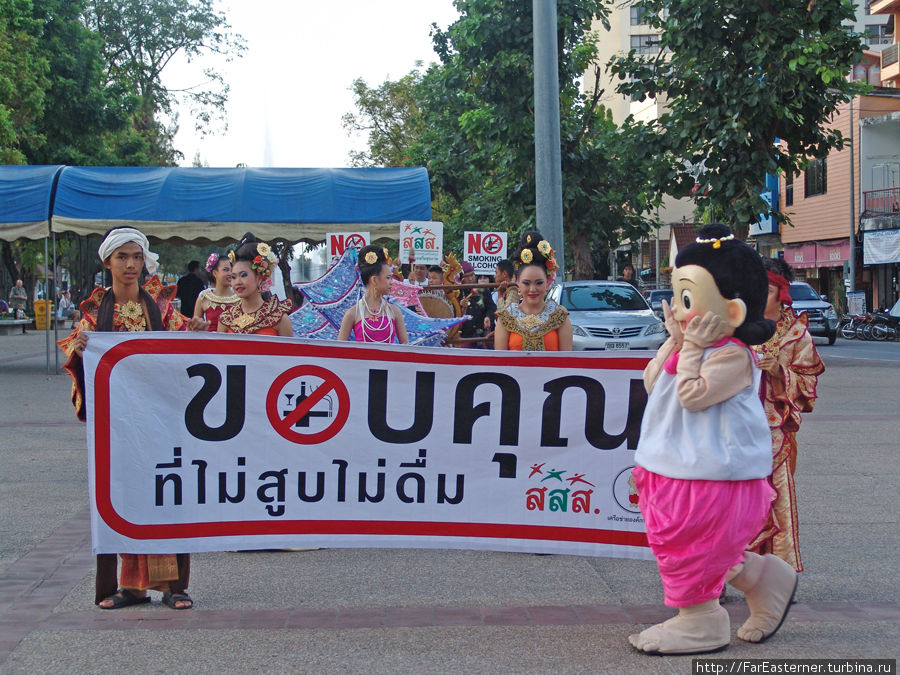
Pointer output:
x,y
354,240
303,399
492,243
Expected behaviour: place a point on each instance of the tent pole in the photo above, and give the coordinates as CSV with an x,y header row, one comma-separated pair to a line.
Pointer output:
x,y
55,324
47,301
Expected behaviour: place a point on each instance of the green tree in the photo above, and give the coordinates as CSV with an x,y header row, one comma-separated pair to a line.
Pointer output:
x,y
140,38
470,120
390,116
23,79
85,119
737,76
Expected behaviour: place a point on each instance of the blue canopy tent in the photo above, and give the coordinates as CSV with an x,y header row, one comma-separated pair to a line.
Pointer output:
x,y
221,204
215,205
26,194
26,197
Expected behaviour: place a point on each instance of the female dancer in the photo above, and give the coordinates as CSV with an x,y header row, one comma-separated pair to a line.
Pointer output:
x,y
790,367
705,452
213,301
373,319
259,312
535,323
127,306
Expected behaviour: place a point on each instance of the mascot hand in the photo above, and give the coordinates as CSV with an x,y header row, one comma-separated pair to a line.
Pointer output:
x,y
672,325
768,363
707,330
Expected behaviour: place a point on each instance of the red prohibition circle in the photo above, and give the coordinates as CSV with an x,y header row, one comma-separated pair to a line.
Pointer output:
x,y
354,240
330,382
492,243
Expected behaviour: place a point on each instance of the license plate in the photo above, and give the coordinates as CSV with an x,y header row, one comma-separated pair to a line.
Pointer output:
x,y
617,345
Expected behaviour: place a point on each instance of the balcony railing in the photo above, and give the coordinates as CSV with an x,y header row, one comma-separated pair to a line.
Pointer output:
x,y
882,201
878,40
889,56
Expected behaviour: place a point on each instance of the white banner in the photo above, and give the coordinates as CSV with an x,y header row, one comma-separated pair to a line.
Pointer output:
x,y
338,242
881,247
211,442
484,250
421,240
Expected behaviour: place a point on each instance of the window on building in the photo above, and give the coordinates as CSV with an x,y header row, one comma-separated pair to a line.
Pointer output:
x,y
638,14
868,7
645,44
789,189
816,178
876,34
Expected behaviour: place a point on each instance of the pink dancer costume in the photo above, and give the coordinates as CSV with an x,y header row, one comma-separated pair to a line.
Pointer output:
x,y
701,481
376,329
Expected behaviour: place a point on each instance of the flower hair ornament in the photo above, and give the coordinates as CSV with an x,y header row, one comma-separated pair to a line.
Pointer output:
x,y
715,241
231,256
264,264
211,262
371,258
526,256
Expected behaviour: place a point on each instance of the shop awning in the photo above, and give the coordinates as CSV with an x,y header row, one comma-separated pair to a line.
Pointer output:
x,y
25,199
802,256
220,204
832,253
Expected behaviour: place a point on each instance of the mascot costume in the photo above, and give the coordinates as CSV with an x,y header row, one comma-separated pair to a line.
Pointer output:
x,y
705,452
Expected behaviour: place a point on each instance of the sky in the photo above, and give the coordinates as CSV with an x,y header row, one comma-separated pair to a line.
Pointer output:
x,y
292,86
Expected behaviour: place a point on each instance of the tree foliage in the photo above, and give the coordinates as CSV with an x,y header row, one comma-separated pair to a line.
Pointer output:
x,y
80,83
141,37
470,120
737,76
23,79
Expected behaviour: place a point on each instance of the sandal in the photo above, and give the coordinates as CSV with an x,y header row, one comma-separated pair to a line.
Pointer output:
x,y
124,598
170,598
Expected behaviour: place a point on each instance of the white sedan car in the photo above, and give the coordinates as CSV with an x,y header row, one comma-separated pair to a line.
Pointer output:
x,y
609,315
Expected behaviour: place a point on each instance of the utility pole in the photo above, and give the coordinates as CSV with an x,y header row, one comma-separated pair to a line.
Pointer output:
x,y
547,163
851,287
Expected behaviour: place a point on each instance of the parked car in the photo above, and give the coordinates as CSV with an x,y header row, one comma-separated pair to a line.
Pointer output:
x,y
655,298
609,315
823,320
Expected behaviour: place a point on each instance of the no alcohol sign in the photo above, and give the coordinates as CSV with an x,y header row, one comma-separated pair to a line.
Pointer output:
x,y
307,404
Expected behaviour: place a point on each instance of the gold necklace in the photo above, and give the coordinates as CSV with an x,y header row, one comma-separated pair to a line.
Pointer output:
x,y
245,319
131,314
214,299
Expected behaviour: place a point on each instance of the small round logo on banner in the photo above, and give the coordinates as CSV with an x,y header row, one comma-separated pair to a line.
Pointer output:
x,y
307,404
624,491
492,243
354,240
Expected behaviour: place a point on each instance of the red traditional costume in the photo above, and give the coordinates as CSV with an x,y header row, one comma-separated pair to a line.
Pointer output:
x,y
786,392
263,321
139,571
216,304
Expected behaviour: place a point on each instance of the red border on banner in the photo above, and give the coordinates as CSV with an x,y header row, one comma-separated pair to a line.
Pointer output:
x,y
114,521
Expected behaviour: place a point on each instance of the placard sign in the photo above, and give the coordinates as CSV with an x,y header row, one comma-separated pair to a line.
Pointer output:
x,y
338,242
422,241
484,250
212,442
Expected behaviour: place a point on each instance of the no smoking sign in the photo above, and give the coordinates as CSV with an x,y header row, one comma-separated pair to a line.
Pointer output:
x,y
484,250
307,404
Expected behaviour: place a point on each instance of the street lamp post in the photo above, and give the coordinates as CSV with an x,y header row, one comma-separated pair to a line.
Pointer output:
x,y
851,286
547,162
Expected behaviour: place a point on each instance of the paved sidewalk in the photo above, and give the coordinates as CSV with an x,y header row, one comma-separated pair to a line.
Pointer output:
x,y
421,611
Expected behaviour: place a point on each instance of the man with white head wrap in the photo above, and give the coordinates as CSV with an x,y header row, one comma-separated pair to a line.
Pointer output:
x,y
128,306
118,236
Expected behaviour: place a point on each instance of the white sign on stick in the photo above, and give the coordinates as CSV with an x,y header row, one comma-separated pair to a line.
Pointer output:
x,y
422,241
484,250
338,242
